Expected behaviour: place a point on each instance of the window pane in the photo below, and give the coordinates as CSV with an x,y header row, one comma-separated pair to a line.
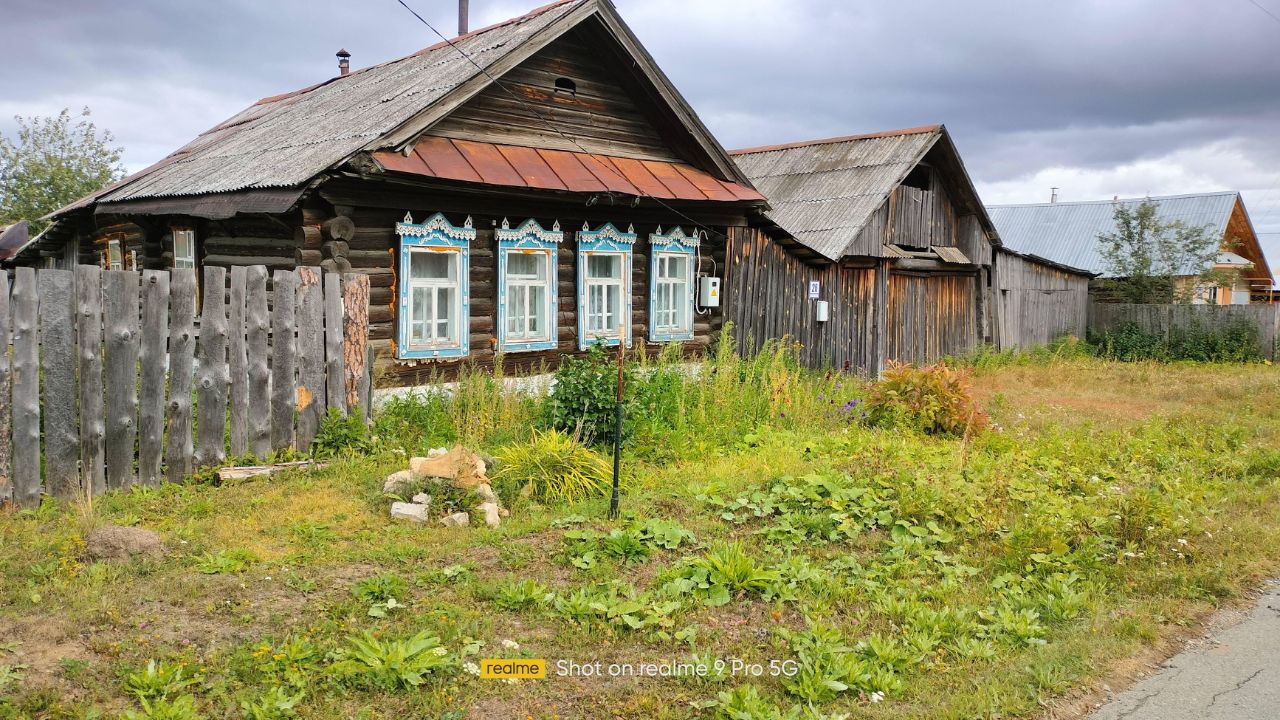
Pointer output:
x,y
426,265
527,265
537,310
516,310
604,266
444,314
419,311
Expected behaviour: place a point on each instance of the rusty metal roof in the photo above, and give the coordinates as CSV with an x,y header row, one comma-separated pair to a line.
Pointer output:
x,y
285,140
1067,232
526,167
822,192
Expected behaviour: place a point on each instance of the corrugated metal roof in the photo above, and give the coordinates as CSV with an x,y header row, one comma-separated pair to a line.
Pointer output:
x,y
517,166
823,192
284,141
1067,232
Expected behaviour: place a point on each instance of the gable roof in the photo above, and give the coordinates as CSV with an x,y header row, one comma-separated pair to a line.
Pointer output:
x,y
286,140
12,239
1067,232
822,192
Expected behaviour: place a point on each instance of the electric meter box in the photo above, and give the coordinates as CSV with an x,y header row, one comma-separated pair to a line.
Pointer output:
x,y
709,291
821,311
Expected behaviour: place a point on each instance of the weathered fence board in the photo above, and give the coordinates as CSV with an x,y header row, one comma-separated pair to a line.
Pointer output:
x,y
334,375
26,390
1165,319
310,320
120,311
236,363
211,375
93,425
6,400
256,314
151,386
59,404
107,359
284,288
355,340
182,352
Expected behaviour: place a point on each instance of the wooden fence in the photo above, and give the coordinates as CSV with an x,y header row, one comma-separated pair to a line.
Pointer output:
x,y
1163,319
106,364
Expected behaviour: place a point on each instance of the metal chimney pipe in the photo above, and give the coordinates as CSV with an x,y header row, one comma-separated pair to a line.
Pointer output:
x,y
462,16
1053,195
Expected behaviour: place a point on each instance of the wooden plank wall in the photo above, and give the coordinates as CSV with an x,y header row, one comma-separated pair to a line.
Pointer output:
x,y
109,358
766,298
1037,303
599,116
1162,319
931,315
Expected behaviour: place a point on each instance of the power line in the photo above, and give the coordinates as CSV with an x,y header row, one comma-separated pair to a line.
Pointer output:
x,y
1263,9
534,111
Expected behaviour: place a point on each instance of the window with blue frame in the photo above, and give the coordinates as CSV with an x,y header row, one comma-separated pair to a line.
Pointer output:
x,y
604,285
527,286
433,304
671,268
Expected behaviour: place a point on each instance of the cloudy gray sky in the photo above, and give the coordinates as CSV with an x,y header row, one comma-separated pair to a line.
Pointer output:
x,y
1097,97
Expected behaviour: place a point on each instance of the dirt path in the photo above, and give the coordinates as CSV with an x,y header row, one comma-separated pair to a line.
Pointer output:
x,y
1233,673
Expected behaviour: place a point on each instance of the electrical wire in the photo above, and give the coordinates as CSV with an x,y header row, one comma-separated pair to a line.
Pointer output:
x,y
534,111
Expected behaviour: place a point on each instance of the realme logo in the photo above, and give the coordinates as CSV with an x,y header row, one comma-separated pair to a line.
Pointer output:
x,y
505,668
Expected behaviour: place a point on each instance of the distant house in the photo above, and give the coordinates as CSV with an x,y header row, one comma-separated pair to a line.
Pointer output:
x,y
537,189
1067,232
876,248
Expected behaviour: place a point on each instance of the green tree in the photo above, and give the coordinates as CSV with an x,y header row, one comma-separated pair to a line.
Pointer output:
x,y
53,161
1145,255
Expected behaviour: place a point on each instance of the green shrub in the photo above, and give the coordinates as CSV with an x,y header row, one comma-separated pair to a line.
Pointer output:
x,y
583,399
275,704
1228,343
935,399
414,422
341,435
391,664
558,468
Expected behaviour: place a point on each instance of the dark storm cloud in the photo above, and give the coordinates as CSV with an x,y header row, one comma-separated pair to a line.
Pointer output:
x,y
1099,97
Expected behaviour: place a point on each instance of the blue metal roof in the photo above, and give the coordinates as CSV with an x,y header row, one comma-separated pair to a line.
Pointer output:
x,y
1067,232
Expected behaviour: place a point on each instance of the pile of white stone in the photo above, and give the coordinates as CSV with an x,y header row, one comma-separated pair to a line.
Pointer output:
x,y
458,467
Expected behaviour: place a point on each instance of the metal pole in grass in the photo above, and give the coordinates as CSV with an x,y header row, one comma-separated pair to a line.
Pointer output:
x,y
617,424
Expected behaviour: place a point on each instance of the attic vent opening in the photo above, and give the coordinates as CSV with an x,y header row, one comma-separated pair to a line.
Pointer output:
x,y
918,178
564,84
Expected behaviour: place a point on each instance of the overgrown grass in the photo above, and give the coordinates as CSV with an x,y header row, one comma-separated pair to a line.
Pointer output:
x,y
891,573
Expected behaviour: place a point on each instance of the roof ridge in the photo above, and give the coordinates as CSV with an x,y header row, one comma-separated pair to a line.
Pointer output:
x,y
919,130
418,53
1180,196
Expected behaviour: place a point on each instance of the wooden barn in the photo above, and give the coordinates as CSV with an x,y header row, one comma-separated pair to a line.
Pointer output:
x,y
528,190
876,248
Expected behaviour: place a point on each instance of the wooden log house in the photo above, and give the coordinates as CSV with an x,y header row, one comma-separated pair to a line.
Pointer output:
x,y
565,195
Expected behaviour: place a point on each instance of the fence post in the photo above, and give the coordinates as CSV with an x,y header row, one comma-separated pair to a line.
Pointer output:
x,y
58,383
211,380
311,393
237,362
93,424
259,374
284,287
6,400
182,350
120,310
355,338
155,335
335,375
26,390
